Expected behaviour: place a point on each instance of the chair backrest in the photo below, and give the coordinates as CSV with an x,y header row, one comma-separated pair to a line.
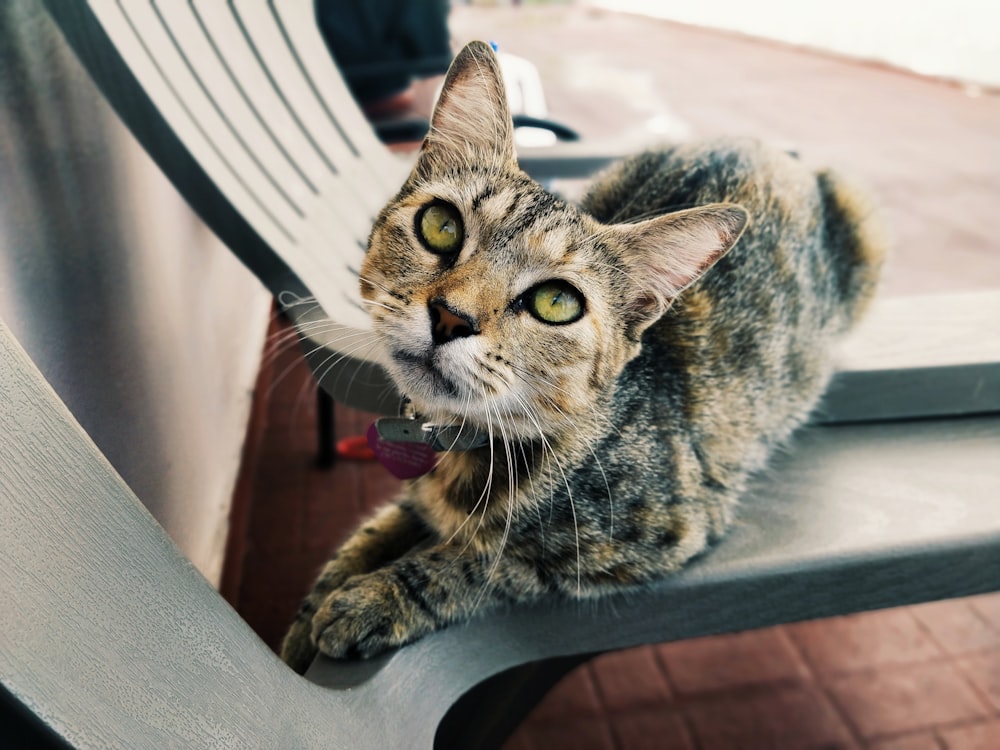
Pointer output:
x,y
241,105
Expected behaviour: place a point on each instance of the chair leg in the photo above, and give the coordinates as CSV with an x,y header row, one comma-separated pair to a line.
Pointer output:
x,y
490,712
327,451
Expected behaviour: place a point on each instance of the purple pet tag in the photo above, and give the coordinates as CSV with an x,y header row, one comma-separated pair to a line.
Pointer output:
x,y
403,460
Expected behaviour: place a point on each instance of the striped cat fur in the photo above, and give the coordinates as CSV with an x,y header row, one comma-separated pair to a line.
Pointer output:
x,y
710,282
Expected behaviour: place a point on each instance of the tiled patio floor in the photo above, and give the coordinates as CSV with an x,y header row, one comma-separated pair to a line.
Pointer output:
x,y
906,679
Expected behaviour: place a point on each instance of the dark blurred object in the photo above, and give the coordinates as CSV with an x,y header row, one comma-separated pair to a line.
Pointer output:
x,y
381,45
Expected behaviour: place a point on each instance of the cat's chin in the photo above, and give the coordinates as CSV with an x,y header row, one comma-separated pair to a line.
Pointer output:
x,y
447,399
440,406
418,378
421,378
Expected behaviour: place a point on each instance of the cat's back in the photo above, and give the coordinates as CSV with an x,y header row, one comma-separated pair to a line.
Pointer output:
x,y
745,351
690,174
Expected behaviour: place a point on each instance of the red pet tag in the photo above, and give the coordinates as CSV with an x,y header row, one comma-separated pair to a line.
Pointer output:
x,y
403,460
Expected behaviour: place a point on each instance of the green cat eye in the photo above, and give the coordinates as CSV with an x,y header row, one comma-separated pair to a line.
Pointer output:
x,y
555,302
439,227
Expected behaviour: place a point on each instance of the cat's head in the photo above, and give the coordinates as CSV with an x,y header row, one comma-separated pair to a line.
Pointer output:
x,y
500,304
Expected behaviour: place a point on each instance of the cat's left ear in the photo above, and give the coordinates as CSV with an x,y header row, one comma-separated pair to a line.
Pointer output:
x,y
667,254
471,123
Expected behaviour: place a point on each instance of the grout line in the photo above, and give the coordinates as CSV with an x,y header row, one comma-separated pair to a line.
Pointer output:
x,y
678,702
982,617
823,689
929,632
962,724
606,712
893,736
992,711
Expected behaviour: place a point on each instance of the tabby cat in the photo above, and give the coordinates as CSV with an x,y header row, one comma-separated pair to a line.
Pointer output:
x,y
630,362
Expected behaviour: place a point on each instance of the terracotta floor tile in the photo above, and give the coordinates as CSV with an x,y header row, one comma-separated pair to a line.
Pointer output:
x,y
520,740
581,733
956,626
983,670
629,679
988,607
702,665
332,509
918,741
276,525
981,736
788,717
573,696
895,700
650,729
291,411
282,576
288,437
270,617
863,641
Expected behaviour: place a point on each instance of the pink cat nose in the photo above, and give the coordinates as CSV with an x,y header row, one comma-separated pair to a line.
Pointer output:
x,y
448,324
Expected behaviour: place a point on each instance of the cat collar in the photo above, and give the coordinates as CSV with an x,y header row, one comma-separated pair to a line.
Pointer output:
x,y
408,447
439,438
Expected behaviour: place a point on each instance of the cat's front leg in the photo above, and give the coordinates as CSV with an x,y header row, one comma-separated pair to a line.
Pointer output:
x,y
394,531
413,597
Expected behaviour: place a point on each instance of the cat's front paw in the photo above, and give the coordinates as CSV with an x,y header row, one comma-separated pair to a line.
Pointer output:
x,y
366,616
297,648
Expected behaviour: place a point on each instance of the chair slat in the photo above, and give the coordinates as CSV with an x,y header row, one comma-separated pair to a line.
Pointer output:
x,y
146,46
221,27
298,20
213,86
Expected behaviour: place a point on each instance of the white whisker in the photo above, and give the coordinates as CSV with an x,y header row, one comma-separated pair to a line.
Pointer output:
x,y
572,506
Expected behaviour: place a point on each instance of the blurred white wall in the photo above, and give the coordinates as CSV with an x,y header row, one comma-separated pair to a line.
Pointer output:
x,y
147,327
954,39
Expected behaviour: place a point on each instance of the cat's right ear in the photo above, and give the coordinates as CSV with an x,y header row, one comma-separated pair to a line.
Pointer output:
x,y
471,123
667,254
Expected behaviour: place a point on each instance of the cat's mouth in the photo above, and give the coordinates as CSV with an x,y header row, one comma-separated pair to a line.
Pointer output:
x,y
421,375
445,390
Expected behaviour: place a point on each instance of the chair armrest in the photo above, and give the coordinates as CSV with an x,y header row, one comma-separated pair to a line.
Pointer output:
x,y
935,355
852,518
569,160
412,129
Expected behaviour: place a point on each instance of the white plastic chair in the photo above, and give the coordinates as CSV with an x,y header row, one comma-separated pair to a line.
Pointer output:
x,y
111,639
